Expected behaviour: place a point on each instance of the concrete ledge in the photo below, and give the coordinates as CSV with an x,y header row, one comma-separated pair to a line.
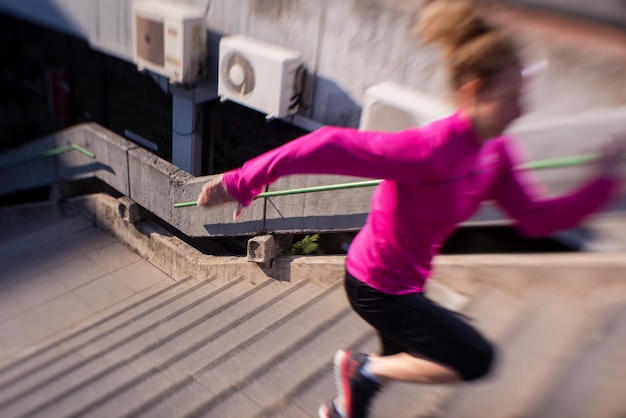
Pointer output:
x,y
465,275
582,274
596,279
179,260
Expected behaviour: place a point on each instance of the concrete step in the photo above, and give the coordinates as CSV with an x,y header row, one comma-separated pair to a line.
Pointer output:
x,y
98,360
93,330
593,385
273,381
399,399
193,347
532,357
180,358
60,359
405,400
246,354
45,349
304,398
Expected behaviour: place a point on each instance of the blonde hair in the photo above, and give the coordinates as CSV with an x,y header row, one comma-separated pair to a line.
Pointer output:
x,y
473,49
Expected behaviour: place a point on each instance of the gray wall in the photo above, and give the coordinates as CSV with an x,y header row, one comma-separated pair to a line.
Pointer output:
x,y
353,44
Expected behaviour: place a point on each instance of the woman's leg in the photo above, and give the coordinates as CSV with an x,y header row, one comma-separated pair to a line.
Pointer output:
x,y
437,344
408,368
422,342
394,363
356,390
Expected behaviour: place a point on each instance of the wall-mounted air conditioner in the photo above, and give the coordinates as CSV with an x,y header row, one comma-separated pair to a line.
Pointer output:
x,y
391,107
259,75
169,38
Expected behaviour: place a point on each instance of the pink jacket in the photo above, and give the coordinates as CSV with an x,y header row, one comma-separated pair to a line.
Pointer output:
x,y
435,177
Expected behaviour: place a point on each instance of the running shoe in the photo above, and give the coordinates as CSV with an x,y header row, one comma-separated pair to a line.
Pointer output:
x,y
355,391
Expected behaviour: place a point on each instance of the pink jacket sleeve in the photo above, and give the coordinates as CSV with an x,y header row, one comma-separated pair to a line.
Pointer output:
x,y
536,215
332,150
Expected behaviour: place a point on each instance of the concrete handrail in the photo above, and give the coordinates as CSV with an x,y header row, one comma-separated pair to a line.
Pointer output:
x,y
157,185
330,187
534,165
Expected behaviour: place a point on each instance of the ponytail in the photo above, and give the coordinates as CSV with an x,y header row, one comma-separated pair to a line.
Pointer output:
x,y
471,46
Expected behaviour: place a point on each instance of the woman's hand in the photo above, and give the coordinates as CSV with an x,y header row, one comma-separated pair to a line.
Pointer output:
x,y
611,155
215,193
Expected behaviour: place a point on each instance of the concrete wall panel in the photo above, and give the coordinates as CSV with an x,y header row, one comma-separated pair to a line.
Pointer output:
x,y
151,182
291,23
195,221
110,164
318,211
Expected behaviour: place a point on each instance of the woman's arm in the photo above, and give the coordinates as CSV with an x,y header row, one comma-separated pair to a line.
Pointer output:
x,y
330,150
518,195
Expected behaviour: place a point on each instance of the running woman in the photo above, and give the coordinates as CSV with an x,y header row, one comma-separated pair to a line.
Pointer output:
x,y
435,177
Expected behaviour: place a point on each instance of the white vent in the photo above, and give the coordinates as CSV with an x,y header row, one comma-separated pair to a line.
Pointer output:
x,y
259,75
169,38
391,107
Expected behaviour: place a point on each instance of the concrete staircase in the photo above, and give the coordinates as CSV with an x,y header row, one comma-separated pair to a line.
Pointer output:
x,y
196,347
235,346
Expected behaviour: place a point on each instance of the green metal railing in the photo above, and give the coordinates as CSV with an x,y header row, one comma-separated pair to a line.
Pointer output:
x,y
48,153
559,162
534,165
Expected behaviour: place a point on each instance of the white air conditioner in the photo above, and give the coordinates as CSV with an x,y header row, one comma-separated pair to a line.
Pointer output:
x,y
391,107
259,75
169,38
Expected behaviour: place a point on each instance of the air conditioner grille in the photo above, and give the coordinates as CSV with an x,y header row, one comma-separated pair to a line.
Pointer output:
x,y
238,74
150,40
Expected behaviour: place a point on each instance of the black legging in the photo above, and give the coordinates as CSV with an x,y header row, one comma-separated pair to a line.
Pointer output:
x,y
416,325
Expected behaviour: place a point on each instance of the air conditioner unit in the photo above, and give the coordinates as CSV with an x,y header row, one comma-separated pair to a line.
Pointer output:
x,y
390,106
169,38
259,75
